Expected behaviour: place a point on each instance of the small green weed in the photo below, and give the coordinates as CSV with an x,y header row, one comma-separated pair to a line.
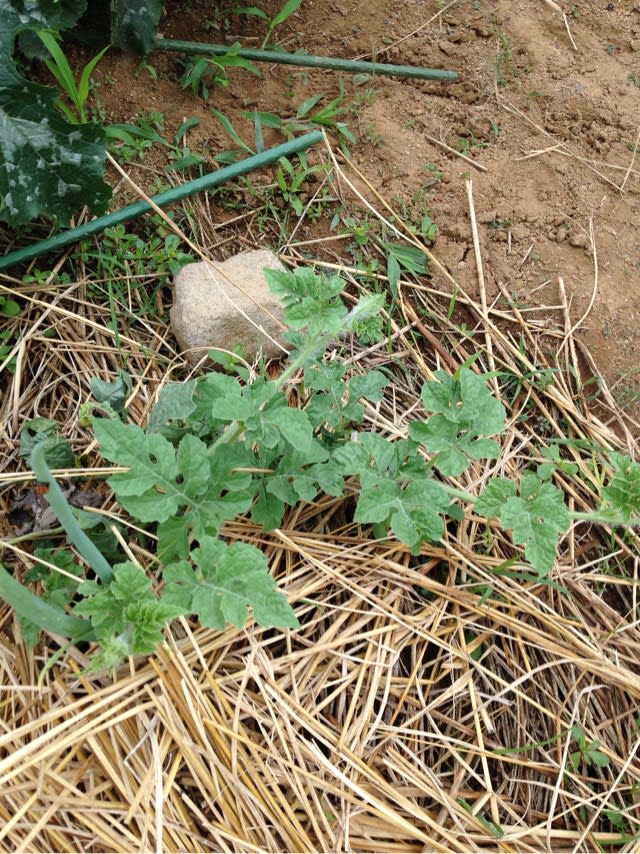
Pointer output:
x,y
467,142
587,753
504,64
204,72
132,141
77,93
289,8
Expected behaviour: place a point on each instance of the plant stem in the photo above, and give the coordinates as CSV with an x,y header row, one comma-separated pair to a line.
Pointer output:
x,y
56,498
603,518
46,616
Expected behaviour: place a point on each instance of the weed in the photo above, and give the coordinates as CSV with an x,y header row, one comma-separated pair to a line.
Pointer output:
x,y
8,340
436,174
77,93
131,142
467,141
290,179
203,72
587,753
504,65
307,117
9,307
283,15
146,66
372,137
122,256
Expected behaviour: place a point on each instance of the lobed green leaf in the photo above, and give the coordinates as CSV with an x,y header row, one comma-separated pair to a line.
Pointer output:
x,y
225,582
622,495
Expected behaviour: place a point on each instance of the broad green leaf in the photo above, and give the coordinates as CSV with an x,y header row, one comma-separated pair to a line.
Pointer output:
x,y
268,510
537,518
622,494
412,512
9,307
465,410
170,415
497,493
234,407
371,457
311,301
47,166
226,582
297,476
200,488
294,425
127,607
153,469
370,386
134,24
22,18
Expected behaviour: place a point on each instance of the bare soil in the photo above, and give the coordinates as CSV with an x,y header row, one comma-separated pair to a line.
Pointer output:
x,y
545,107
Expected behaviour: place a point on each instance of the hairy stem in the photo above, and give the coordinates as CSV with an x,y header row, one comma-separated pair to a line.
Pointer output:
x,y
46,616
56,498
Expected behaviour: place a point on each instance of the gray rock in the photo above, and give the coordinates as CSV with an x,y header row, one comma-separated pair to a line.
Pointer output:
x,y
222,305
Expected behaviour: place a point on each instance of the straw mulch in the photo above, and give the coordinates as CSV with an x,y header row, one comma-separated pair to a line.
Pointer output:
x,y
426,704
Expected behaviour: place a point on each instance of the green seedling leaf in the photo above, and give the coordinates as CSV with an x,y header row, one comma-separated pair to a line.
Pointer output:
x,y
114,394
411,512
252,10
126,610
58,454
60,67
286,12
538,517
232,60
311,301
408,257
307,105
622,495
185,127
226,124
465,410
9,307
393,274
225,582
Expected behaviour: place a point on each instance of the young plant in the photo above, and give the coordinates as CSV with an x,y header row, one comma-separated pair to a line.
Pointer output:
x,y
219,446
203,72
77,93
283,15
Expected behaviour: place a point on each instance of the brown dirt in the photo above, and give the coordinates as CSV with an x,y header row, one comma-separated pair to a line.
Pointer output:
x,y
547,108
